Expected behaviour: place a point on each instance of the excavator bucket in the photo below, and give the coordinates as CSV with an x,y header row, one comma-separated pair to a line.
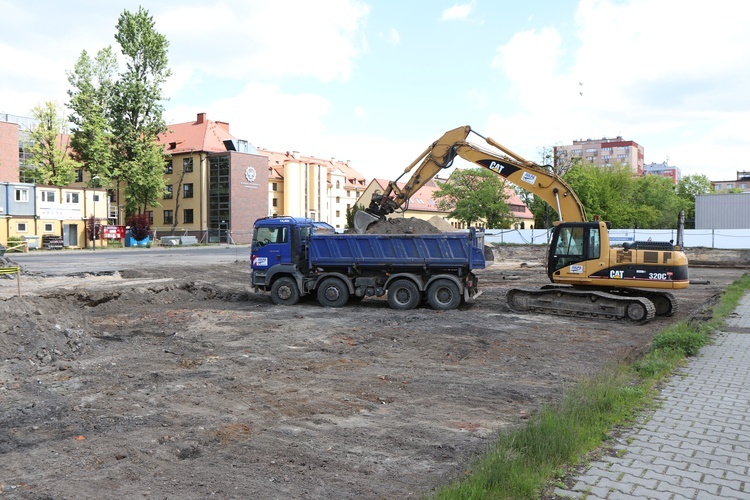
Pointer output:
x,y
362,221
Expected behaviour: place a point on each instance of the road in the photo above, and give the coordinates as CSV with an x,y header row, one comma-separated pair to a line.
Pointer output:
x,y
67,262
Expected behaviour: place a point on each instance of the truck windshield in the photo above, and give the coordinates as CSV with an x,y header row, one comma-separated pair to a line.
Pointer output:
x,y
266,235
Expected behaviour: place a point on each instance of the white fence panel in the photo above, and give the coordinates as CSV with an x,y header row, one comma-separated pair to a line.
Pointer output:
x,y
708,238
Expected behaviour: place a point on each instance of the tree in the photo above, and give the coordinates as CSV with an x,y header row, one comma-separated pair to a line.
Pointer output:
x,y
475,194
688,188
135,112
92,141
49,157
118,118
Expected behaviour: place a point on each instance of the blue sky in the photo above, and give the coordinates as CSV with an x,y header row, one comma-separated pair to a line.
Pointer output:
x,y
375,82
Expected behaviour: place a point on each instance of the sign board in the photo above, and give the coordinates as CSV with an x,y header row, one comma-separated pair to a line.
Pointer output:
x,y
113,232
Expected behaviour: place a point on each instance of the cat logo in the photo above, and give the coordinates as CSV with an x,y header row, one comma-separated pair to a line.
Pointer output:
x,y
616,274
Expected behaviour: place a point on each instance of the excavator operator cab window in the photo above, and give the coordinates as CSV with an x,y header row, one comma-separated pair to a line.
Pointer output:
x,y
594,250
571,241
569,247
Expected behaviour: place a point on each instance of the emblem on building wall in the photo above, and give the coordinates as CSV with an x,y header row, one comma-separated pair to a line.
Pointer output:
x,y
250,174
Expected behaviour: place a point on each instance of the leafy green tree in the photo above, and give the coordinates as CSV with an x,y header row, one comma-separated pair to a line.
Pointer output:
x,y
656,202
687,189
92,141
136,112
49,159
119,117
475,194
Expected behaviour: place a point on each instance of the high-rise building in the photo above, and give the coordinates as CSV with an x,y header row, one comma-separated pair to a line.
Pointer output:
x,y
670,172
604,152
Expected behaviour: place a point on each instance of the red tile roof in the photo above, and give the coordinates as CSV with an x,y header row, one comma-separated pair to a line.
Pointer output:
x,y
200,135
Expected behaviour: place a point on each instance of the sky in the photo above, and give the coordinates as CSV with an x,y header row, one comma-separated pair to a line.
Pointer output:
x,y
374,82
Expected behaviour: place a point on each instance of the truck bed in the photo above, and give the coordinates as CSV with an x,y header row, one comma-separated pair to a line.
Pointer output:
x,y
445,250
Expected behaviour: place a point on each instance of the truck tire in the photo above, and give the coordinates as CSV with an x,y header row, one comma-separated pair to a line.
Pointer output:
x,y
333,292
443,294
284,292
403,294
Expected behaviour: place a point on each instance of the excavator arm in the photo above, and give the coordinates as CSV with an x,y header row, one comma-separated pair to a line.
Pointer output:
x,y
440,155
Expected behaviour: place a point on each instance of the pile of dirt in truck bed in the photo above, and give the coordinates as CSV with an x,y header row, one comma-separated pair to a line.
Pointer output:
x,y
412,225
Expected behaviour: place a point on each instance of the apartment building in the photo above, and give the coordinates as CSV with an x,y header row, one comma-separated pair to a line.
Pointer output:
x,y
742,182
672,173
305,186
604,152
33,211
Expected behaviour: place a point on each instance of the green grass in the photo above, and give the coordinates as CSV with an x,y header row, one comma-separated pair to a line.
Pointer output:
x,y
532,456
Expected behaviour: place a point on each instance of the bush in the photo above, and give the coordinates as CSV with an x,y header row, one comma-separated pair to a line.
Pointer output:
x,y
140,227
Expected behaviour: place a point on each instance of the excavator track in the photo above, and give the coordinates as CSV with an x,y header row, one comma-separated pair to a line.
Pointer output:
x,y
568,301
664,302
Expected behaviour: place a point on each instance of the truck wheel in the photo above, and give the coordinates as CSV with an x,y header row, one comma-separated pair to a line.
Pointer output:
x,y
443,294
284,292
333,293
403,294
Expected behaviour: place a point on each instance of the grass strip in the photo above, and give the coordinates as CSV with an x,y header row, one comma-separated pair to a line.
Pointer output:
x,y
525,459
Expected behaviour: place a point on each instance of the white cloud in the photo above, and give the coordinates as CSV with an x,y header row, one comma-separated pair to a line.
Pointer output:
x,y
267,40
458,12
392,36
651,71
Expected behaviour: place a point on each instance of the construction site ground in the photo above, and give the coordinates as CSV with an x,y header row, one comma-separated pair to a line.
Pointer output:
x,y
177,381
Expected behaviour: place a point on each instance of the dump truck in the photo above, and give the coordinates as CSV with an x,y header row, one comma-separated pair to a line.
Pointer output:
x,y
294,257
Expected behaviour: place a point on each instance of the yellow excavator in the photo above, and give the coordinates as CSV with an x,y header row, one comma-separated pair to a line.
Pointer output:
x,y
590,279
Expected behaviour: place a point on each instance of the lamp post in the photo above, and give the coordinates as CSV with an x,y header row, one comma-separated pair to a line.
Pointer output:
x,y
93,228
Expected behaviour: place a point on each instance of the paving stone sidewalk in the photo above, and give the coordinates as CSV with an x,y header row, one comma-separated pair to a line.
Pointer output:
x,y
697,443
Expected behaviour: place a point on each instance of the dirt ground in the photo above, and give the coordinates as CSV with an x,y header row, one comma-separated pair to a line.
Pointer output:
x,y
176,382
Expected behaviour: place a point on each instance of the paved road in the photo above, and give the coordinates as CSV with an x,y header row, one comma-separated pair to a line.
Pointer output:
x,y
697,444
65,262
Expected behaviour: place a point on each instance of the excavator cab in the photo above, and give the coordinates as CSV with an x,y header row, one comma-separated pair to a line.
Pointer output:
x,y
572,244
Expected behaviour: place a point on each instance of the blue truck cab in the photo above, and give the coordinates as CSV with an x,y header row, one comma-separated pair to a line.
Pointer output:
x,y
292,257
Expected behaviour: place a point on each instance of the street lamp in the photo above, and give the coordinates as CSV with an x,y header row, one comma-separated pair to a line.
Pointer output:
x,y
93,228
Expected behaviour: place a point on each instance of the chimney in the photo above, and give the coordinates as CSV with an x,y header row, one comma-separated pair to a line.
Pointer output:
x,y
201,118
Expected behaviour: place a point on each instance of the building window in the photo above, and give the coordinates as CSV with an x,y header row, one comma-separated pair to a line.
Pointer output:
x,y
150,215
79,175
338,213
71,198
274,186
22,195
187,190
48,227
168,192
275,202
21,227
348,193
168,167
338,184
187,164
168,217
187,216
48,196
338,199
577,152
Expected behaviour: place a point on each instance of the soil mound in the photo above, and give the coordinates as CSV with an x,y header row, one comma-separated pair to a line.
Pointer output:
x,y
412,225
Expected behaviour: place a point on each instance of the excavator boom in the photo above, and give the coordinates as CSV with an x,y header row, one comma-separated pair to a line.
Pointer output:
x,y
440,155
